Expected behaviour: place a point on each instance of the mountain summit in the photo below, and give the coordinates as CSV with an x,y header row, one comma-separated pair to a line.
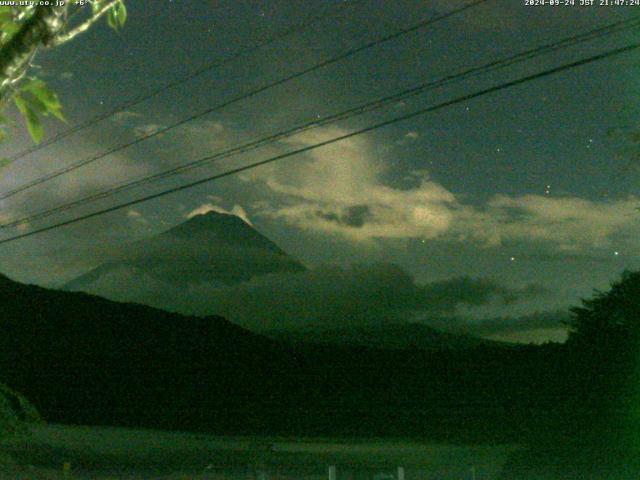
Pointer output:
x,y
213,248
224,229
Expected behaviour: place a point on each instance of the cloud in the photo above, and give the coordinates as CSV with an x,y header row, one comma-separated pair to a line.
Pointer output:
x,y
489,327
126,118
571,223
329,296
337,189
237,210
208,127
148,129
413,135
409,137
354,216
340,189
204,136
538,327
136,216
535,321
96,176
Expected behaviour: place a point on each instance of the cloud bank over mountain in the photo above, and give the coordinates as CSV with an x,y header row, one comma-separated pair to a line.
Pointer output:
x,y
329,296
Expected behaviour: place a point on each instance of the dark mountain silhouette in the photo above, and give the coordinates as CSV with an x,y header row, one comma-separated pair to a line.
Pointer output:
x,y
213,248
82,359
398,336
222,228
217,249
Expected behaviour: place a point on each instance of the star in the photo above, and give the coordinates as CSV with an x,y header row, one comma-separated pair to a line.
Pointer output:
x,y
616,253
513,259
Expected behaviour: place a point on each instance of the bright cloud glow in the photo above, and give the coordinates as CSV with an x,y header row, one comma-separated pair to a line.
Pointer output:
x,y
339,189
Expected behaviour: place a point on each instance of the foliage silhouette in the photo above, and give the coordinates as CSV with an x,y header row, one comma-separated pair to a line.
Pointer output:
x,y
604,339
594,430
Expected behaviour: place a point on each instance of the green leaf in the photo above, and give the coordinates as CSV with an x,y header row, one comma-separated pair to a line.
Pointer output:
x,y
36,130
34,126
43,98
37,104
121,10
117,16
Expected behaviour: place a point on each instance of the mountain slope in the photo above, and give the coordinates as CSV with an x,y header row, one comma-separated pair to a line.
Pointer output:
x,y
222,228
213,248
85,359
397,336
81,359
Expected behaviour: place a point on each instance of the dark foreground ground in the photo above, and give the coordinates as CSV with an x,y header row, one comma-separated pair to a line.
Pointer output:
x,y
110,453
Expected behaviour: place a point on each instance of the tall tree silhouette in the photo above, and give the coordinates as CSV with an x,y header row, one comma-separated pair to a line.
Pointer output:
x,y
610,321
604,345
593,430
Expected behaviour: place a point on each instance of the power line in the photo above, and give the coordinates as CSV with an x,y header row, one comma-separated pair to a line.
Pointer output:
x,y
464,98
170,85
241,97
609,29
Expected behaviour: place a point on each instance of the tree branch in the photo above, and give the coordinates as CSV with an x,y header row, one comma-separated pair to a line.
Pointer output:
x,y
24,13
65,37
45,23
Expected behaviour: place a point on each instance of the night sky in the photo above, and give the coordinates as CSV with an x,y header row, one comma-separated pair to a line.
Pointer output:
x,y
531,187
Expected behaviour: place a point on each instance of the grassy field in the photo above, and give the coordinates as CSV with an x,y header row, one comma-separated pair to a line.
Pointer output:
x,y
109,453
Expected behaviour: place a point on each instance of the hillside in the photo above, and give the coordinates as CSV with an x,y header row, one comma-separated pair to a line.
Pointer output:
x,y
213,248
395,336
81,359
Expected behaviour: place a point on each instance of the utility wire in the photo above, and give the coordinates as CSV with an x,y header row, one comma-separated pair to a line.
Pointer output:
x,y
464,98
241,97
170,85
609,29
